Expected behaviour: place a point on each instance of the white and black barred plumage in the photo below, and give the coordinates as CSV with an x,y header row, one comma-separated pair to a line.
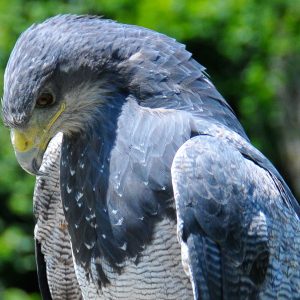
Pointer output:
x,y
51,233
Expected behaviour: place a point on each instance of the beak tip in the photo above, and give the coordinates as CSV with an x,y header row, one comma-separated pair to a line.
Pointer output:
x,y
36,168
30,161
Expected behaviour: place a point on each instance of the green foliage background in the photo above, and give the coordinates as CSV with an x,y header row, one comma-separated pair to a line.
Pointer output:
x,y
251,49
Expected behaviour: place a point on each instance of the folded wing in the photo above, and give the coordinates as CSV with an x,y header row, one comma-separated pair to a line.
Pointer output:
x,y
239,234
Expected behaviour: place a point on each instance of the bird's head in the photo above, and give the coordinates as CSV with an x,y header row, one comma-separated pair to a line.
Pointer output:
x,y
51,85
69,71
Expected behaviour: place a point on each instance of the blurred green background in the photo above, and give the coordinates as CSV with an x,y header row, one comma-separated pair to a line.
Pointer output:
x,y
252,52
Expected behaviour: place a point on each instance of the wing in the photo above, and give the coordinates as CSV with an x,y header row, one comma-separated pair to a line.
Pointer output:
x,y
239,235
56,273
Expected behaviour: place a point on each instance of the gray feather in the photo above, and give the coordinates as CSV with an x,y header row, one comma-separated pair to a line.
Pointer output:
x,y
223,197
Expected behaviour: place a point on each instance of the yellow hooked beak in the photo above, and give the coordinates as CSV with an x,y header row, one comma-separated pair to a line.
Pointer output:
x,y
24,140
31,143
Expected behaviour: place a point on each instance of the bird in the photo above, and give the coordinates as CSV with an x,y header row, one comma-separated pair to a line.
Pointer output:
x,y
147,186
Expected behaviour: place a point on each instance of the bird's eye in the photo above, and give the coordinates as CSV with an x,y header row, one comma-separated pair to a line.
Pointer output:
x,y
44,100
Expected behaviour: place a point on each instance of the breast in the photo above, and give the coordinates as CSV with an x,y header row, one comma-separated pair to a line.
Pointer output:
x,y
51,229
156,274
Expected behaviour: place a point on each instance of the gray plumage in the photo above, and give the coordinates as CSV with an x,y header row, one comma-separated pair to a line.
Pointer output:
x,y
148,145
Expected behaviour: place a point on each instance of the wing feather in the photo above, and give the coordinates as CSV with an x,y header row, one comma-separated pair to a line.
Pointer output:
x,y
232,217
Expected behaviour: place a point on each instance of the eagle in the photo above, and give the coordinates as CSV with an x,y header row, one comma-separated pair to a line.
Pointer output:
x,y
147,186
